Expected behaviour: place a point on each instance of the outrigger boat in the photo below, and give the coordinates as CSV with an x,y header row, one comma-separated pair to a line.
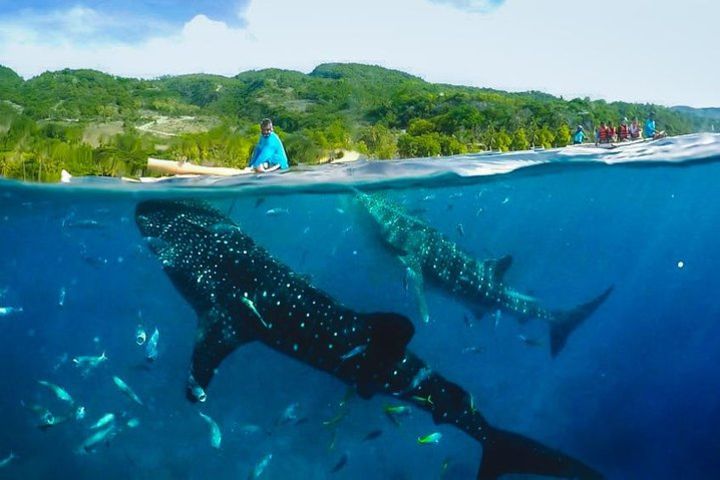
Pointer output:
x,y
186,168
612,145
625,143
175,169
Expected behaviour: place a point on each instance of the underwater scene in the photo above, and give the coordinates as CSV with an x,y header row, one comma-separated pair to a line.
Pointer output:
x,y
541,314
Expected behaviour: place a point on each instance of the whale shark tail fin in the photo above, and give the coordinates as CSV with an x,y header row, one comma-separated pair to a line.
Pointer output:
x,y
568,321
506,452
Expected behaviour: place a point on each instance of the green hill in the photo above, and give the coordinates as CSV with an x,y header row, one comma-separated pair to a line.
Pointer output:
x,y
46,122
10,82
707,119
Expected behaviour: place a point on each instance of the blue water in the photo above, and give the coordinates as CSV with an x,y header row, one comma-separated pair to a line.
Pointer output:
x,y
635,393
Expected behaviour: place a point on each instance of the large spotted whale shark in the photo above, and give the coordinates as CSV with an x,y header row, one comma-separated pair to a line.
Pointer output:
x,y
429,255
241,294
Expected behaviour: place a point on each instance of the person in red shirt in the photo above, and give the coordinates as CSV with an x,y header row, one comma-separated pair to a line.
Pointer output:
x,y
602,134
623,133
610,133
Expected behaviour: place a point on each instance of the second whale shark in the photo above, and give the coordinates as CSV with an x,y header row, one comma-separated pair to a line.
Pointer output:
x,y
241,294
430,256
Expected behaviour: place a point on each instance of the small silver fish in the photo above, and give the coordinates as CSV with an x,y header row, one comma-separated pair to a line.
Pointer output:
x,y
421,375
59,392
127,390
407,278
103,421
276,211
215,434
87,363
289,415
7,460
354,352
102,436
261,466
530,342
5,311
151,349
88,223
473,349
497,316
249,303
224,228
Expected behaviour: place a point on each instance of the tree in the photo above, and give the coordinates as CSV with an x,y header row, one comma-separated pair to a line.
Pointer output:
x,y
427,145
544,137
519,140
420,126
562,136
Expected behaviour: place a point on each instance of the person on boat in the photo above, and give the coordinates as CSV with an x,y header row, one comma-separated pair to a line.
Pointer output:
x,y
623,131
579,135
610,133
269,153
651,130
634,130
602,134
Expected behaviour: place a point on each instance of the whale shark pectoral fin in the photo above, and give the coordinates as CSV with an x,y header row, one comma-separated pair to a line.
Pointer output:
x,y
389,335
417,281
500,267
216,338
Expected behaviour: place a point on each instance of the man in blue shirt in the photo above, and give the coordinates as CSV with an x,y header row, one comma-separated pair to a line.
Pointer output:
x,y
650,128
651,131
269,153
579,136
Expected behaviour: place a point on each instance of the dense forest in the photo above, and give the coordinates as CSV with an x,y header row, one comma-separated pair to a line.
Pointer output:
x,y
92,123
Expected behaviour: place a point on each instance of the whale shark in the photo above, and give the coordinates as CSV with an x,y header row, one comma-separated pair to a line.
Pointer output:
x,y
242,294
431,257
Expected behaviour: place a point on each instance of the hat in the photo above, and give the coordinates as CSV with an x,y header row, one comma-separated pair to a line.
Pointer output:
x,y
580,127
625,120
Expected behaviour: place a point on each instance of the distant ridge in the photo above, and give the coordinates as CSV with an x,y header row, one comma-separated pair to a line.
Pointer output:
x,y
708,112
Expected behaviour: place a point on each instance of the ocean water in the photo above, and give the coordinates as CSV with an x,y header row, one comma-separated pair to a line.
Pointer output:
x,y
635,393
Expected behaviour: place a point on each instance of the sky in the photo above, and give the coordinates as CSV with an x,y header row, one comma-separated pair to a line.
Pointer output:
x,y
637,50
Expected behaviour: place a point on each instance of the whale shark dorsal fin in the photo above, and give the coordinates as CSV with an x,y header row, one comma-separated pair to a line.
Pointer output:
x,y
500,267
216,338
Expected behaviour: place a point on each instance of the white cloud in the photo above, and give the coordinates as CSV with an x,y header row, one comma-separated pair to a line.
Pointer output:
x,y
75,25
561,47
477,6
